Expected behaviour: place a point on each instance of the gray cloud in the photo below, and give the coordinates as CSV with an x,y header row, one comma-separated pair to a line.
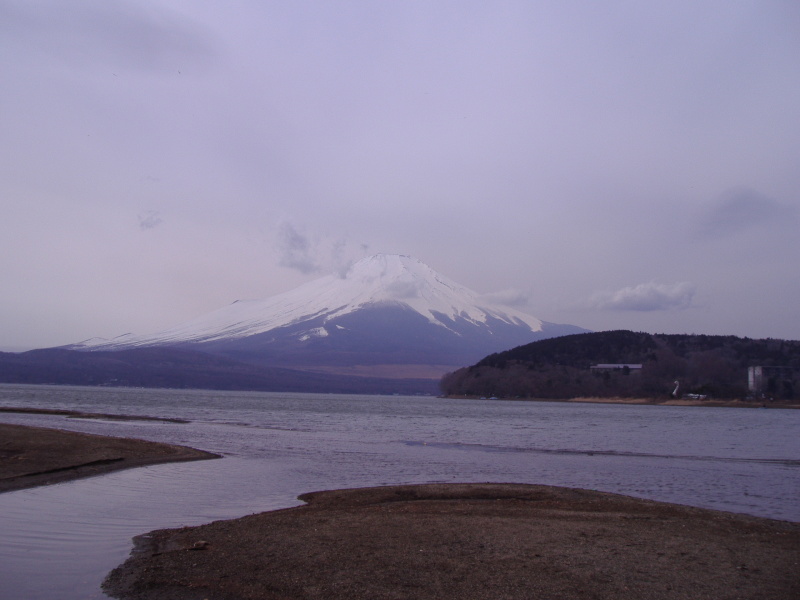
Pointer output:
x,y
296,251
403,290
149,219
341,258
122,35
509,297
742,209
310,253
646,297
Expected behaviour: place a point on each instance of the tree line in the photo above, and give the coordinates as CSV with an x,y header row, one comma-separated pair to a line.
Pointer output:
x,y
559,368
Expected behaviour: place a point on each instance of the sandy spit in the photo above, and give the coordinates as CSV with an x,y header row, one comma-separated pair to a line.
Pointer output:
x,y
31,456
468,541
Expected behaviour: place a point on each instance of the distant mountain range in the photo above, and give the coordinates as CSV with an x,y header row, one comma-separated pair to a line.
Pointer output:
x,y
170,367
389,323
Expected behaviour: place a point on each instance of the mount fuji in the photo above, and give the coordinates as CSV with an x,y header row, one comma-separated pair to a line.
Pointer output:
x,y
389,316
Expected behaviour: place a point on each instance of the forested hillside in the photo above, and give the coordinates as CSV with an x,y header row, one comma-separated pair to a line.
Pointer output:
x,y
715,366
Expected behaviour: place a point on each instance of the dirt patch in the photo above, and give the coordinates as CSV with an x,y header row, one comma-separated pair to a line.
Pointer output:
x,y
471,541
31,456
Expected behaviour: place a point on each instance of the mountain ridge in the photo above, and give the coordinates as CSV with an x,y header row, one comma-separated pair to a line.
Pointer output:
x,y
385,310
390,324
381,279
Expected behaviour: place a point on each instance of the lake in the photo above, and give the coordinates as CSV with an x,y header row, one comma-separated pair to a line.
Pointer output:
x,y
60,541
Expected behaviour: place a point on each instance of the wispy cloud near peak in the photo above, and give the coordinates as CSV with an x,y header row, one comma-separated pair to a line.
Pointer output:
x,y
311,253
296,251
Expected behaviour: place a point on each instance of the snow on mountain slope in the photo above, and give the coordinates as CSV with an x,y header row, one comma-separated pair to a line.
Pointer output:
x,y
377,280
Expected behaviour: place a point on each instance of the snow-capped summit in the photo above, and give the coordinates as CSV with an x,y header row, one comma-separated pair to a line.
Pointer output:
x,y
406,280
386,309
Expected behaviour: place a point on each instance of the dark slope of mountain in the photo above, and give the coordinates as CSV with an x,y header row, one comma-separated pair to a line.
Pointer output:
x,y
167,367
561,367
389,314
377,334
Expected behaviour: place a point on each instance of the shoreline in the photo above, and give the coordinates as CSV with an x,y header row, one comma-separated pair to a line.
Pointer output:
x,y
476,541
34,456
650,402
689,402
77,414
425,542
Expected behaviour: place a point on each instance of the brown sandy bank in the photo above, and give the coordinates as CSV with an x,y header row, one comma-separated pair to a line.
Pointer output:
x,y
31,456
468,541
77,414
710,403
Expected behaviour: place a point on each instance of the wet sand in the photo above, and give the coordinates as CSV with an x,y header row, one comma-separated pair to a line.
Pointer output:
x,y
470,541
31,456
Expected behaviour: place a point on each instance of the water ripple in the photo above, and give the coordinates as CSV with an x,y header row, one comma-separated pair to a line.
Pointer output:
x,y
571,452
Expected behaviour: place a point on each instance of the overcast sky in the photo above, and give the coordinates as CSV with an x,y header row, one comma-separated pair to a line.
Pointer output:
x,y
615,164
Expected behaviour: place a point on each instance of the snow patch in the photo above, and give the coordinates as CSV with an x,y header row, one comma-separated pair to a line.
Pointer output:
x,y
316,332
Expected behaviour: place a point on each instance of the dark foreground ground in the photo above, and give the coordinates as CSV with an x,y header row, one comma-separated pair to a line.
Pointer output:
x,y
470,541
31,456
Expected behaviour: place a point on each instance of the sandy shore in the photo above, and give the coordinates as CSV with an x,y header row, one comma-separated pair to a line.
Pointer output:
x,y
470,541
691,402
711,403
78,414
31,456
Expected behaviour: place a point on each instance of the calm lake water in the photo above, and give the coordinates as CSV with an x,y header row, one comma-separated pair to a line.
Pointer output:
x,y
60,541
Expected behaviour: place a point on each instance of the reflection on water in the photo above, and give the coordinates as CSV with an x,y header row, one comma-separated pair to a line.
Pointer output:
x,y
60,541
